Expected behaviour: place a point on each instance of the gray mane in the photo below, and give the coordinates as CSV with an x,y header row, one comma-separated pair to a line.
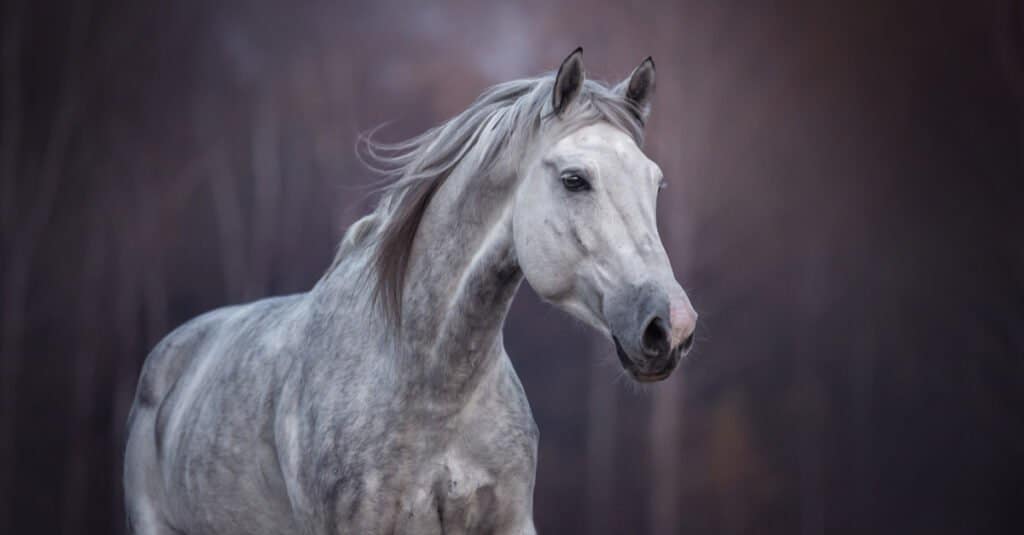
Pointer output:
x,y
500,123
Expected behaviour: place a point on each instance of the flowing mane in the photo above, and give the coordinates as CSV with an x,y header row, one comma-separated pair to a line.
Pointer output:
x,y
500,123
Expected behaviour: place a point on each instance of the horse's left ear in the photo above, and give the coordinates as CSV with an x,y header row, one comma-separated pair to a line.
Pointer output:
x,y
639,88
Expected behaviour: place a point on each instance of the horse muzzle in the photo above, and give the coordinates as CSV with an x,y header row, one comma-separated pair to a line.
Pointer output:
x,y
652,329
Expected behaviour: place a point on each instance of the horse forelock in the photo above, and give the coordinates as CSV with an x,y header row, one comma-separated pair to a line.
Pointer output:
x,y
504,119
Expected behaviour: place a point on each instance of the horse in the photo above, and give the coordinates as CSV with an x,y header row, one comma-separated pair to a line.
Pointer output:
x,y
382,400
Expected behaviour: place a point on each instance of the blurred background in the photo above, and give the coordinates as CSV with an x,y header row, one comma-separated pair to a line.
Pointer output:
x,y
844,210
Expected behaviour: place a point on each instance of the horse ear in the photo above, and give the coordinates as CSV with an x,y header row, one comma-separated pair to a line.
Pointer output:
x,y
639,88
568,81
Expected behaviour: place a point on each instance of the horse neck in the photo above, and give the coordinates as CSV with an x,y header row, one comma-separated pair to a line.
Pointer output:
x,y
461,278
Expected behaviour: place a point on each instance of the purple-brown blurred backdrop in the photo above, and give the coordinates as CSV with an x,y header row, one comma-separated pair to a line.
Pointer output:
x,y
844,209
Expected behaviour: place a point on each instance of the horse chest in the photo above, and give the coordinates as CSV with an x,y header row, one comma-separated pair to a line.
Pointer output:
x,y
472,486
470,474
455,494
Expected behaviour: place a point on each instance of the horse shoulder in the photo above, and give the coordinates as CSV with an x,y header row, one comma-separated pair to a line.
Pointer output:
x,y
488,477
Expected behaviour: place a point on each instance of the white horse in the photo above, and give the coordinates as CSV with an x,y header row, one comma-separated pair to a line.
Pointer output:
x,y
382,400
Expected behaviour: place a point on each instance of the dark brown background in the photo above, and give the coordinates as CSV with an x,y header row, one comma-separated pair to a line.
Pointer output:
x,y
844,210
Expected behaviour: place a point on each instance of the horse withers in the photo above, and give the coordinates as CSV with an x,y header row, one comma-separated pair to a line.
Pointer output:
x,y
382,400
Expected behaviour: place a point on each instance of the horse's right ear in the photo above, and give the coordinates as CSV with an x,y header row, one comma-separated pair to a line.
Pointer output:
x,y
568,81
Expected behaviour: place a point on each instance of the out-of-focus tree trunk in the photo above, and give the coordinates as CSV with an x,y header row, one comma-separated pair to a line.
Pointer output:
x,y
265,217
23,235
86,359
665,444
1008,28
10,126
601,417
10,143
230,222
127,309
810,445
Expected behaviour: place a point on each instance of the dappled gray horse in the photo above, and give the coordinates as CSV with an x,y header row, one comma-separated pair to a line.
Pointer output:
x,y
382,400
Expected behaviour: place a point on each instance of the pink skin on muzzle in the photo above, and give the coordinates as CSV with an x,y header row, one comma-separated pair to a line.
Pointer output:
x,y
682,318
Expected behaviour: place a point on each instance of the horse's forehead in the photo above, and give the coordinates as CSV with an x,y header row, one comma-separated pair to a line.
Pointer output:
x,y
602,139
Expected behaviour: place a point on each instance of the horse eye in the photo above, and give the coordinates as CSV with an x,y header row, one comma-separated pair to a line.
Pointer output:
x,y
574,182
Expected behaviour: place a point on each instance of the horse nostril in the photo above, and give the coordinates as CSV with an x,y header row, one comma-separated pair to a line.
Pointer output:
x,y
688,343
655,338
